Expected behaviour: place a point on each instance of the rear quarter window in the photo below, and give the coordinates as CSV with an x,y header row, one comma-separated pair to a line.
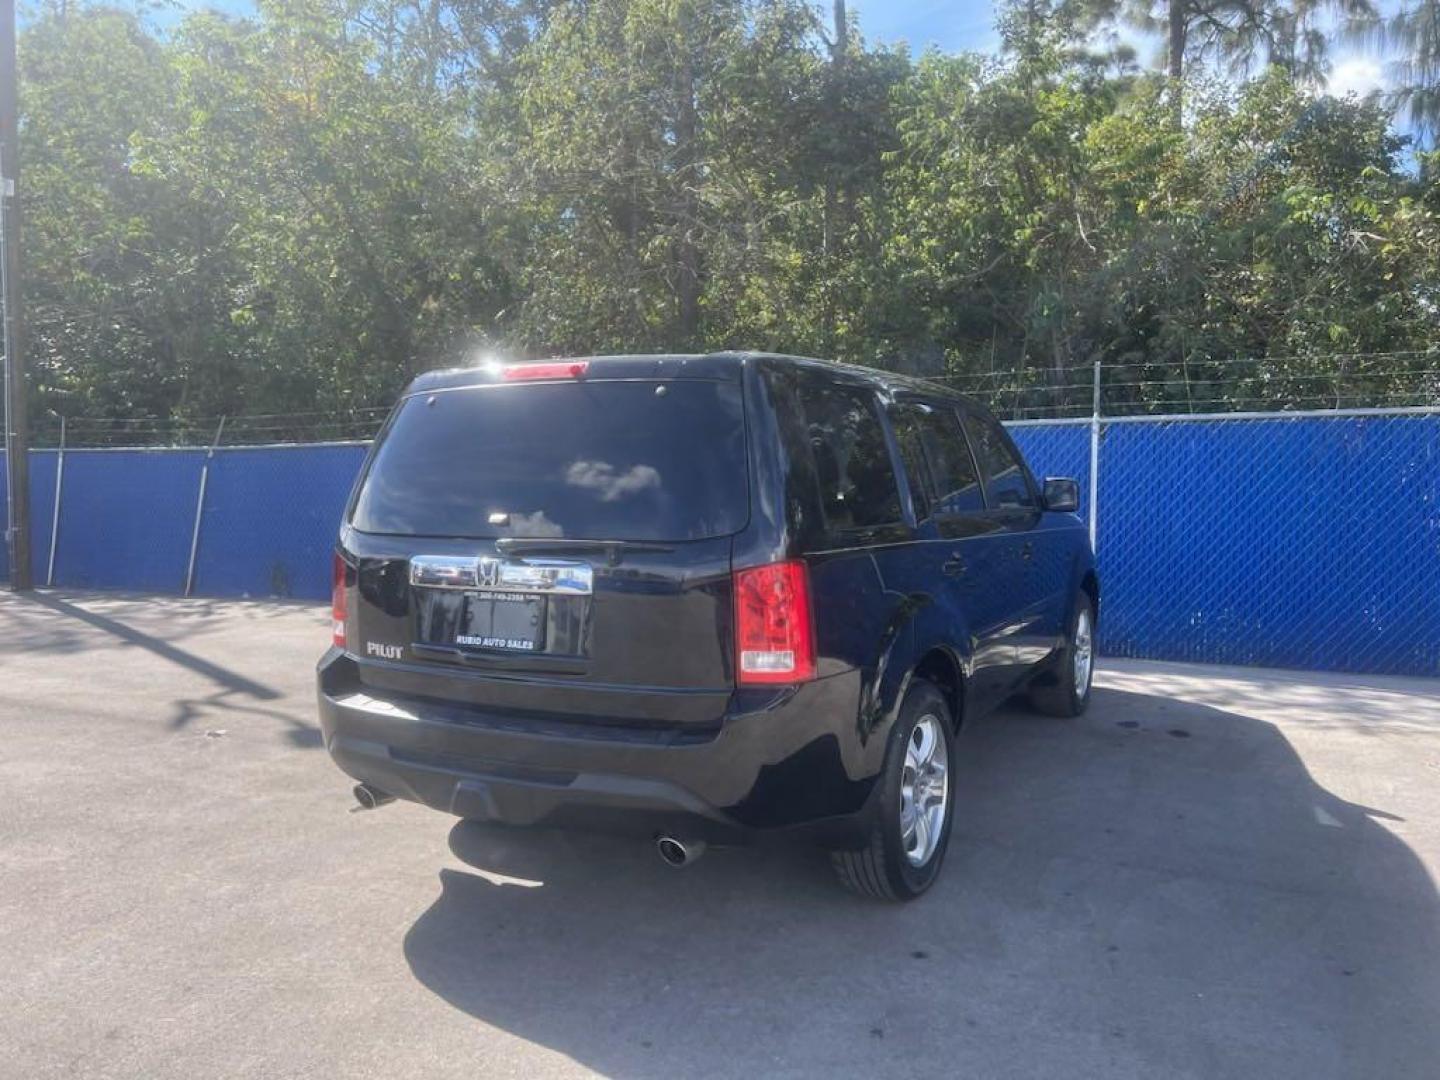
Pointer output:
x,y
853,470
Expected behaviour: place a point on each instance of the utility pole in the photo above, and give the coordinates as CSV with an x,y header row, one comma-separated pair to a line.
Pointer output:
x,y
828,223
17,442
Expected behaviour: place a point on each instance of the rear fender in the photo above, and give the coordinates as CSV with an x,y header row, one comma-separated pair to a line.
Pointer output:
x,y
918,626
883,686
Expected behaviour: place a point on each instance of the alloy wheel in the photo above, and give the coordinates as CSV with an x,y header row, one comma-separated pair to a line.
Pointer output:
x,y
924,790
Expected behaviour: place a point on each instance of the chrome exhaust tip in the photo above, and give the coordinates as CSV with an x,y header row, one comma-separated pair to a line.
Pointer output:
x,y
677,853
369,797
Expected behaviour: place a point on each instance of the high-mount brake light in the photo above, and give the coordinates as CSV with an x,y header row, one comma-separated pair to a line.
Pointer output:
x,y
774,630
338,602
568,369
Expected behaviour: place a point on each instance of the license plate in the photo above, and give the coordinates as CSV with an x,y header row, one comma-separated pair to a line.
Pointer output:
x,y
501,620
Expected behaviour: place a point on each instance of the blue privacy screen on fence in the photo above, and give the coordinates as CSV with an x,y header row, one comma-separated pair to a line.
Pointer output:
x,y
270,520
1307,542
42,500
1058,450
126,518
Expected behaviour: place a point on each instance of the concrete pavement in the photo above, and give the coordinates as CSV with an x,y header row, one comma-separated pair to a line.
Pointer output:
x,y
1216,873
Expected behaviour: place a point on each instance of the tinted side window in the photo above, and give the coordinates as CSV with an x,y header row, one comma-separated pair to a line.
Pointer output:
x,y
905,420
852,462
957,488
1004,475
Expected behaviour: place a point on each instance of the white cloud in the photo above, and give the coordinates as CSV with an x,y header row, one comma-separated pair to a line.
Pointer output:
x,y
1359,75
533,525
601,476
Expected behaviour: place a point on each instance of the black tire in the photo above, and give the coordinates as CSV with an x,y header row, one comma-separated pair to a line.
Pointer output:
x,y
1057,691
882,869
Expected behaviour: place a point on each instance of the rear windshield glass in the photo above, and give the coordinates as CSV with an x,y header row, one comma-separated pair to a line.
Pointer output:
x,y
591,460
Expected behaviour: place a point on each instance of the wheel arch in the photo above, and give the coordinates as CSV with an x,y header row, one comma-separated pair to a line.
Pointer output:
x,y
1090,586
940,667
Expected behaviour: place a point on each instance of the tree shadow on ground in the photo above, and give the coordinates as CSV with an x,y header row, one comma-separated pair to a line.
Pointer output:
x,y
235,694
130,635
1160,889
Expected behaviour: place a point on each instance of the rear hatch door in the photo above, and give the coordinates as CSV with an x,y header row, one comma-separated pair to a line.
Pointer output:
x,y
557,549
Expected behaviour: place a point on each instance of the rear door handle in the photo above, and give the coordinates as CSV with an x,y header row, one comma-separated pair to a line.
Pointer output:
x,y
954,566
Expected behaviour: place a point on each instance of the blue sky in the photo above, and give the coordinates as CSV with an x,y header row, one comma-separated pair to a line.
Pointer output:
x,y
970,25
956,25
952,26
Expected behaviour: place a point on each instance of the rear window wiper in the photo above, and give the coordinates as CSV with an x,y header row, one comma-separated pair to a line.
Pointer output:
x,y
614,550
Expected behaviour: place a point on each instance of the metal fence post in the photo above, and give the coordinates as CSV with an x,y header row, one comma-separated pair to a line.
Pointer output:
x,y
55,515
1095,457
200,510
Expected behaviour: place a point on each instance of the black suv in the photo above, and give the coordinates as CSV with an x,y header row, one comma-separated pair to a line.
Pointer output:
x,y
701,597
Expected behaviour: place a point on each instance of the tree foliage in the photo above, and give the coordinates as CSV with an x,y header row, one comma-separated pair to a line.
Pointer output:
x,y
302,209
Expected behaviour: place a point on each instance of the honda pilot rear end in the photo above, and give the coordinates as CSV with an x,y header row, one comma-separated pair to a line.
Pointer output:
x,y
536,599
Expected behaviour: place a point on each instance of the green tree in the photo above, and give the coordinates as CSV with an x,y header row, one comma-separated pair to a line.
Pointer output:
x,y
300,210
125,276
372,231
1413,31
1233,36
658,150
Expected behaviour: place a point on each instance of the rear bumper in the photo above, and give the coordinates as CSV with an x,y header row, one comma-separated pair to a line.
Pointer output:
x,y
779,761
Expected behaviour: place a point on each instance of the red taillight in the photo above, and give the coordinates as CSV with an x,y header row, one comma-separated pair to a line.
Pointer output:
x,y
774,638
568,369
337,600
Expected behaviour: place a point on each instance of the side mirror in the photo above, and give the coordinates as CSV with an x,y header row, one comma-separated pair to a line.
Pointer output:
x,y
1062,495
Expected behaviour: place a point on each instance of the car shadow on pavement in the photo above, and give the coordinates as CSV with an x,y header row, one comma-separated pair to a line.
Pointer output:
x,y
1159,889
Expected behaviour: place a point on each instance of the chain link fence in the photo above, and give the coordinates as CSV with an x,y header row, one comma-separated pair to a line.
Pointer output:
x,y
1303,540
1300,538
232,521
1200,385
